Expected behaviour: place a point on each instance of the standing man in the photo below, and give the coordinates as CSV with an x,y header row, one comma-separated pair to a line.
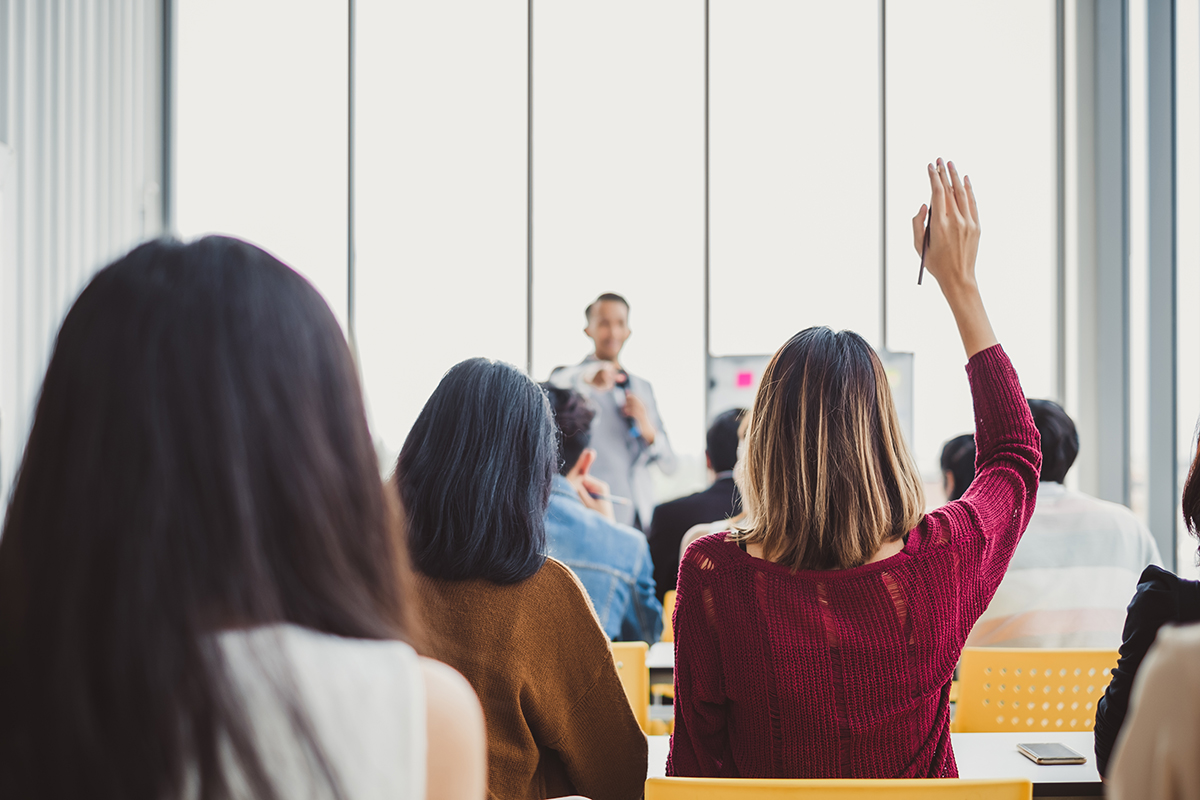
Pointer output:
x,y
627,433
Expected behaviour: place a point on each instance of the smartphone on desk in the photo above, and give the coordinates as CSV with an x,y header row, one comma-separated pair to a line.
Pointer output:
x,y
1050,753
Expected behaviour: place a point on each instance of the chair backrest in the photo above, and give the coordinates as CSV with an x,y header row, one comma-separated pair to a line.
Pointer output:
x,y
838,789
1030,689
668,610
630,658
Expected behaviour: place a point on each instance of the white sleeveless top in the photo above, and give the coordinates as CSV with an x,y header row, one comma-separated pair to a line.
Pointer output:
x,y
364,701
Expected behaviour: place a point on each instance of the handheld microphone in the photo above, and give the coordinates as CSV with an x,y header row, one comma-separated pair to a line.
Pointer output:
x,y
622,389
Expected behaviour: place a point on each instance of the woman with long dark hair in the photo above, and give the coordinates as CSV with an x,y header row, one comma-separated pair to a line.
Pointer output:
x,y
818,639
474,476
203,589
1162,599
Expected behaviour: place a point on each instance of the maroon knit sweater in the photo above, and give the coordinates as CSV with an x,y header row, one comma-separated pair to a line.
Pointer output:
x,y
846,673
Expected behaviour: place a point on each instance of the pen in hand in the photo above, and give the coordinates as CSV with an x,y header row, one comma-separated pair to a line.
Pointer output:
x,y
924,247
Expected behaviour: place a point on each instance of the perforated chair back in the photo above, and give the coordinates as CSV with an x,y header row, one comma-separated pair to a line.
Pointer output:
x,y
772,788
668,634
1029,689
630,658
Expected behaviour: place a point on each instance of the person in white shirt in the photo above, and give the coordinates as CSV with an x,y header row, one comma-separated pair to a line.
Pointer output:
x,y
203,583
1077,565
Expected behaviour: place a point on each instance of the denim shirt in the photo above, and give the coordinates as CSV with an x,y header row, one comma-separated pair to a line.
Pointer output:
x,y
612,562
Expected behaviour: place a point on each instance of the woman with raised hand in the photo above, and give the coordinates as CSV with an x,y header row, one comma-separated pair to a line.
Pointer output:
x,y
203,583
474,476
819,640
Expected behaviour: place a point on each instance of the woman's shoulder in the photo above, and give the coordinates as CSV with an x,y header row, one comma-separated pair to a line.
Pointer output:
x,y
302,643
554,578
555,592
1166,597
1163,579
707,551
364,699
323,662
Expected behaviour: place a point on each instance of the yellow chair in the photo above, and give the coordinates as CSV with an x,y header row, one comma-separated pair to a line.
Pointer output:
x,y
1029,689
630,658
668,634
838,789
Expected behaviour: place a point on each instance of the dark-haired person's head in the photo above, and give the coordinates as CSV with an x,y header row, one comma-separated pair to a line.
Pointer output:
x,y
608,325
475,473
958,465
827,475
199,460
1060,440
1191,496
722,440
573,419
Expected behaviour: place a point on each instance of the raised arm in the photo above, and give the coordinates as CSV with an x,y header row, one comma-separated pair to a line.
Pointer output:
x,y
986,524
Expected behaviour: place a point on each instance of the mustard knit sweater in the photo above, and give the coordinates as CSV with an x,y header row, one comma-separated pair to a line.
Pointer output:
x,y
557,718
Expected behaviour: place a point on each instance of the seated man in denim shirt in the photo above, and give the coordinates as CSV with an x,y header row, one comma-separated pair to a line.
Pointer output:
x,y
612,560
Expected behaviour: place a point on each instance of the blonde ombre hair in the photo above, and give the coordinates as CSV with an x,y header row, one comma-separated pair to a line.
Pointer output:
x,y
826,477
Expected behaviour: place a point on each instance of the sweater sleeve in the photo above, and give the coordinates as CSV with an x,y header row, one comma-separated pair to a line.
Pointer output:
x,y
605,753
590,726
700,744
984,526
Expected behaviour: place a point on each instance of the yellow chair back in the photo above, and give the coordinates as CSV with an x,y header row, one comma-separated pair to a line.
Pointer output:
x,y
1029,689
668,609
630,658
839,789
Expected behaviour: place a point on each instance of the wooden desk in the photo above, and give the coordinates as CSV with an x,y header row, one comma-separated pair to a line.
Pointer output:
x,y
988,755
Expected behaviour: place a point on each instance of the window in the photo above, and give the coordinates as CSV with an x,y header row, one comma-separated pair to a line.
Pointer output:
x,y
261,142
440,200
794,171
618,200
998,122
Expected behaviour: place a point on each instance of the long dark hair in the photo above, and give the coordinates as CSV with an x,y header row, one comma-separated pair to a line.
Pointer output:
x,y
1191,496
199,460
475,473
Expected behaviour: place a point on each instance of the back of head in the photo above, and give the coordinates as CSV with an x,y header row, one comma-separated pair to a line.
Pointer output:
x,y
1191,497
475,474
958,458
1060,440
722,439
199,460
573,419
828,477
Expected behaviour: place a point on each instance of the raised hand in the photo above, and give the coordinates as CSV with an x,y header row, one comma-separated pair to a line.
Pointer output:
x,y
594,493
635,408
953,218
954,227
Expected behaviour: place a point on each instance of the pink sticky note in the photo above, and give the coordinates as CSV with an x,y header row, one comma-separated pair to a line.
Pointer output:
x,y
745,380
